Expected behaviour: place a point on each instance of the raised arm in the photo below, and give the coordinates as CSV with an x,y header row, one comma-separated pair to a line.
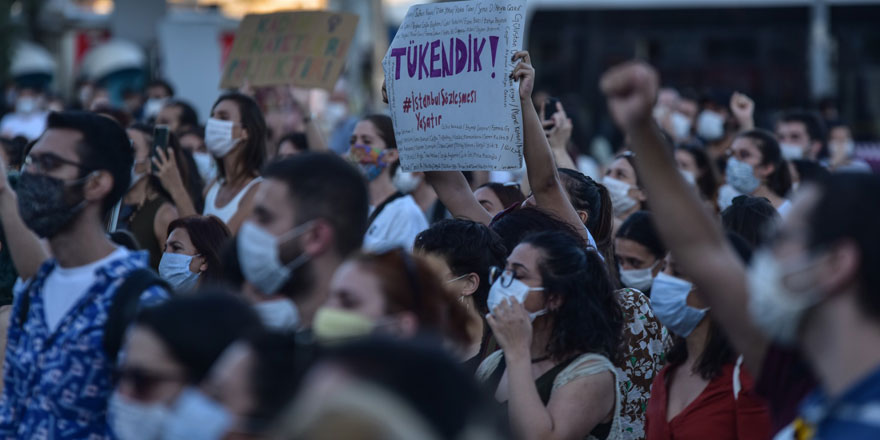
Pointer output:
x,y
559,135
695,239
26,249
169,175
454,192
540,165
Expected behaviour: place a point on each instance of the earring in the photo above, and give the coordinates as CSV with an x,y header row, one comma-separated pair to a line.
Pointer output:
x,y
467,305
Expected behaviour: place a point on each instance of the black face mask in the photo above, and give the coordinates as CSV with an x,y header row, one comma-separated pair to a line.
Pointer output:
x,y
43,205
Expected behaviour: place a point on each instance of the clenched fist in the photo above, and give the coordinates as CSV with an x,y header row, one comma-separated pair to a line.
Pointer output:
x,y
631,89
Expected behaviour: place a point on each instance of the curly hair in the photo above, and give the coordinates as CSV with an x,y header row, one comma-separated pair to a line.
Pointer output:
x,y
589,318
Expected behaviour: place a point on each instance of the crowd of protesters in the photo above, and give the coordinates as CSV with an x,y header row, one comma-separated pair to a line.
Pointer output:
x,y
161,278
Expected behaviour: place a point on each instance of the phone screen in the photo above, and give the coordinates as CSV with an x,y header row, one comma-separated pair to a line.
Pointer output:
x,y
160,141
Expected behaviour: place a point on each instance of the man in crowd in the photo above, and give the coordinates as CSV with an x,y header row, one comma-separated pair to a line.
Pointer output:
x,y
801,135
310,214
810,298
158,93
57,377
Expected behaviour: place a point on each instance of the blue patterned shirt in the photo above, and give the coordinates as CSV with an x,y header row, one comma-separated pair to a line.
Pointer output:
x,y
56,384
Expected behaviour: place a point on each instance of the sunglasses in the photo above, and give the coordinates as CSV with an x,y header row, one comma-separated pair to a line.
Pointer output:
x,y
143,381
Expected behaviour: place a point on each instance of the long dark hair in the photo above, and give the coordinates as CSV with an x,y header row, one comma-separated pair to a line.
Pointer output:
x,y
208,235
639,227
515,224
251,120
186,167
589,318
385,129
779,181
709,180
587,195
508,194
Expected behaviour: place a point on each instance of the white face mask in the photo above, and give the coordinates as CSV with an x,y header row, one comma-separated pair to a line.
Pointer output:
x,y
196,417
726,194
639,279
206,166
218,137
259,256
132,420
406,182
153,106
281,314
621,201
26,105
174,268
774,307
791,151
710,125
681,125
741,176
689,177
508,287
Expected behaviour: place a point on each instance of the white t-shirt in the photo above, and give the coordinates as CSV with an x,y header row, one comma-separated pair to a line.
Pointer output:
x,y
64,287
397,225
30,126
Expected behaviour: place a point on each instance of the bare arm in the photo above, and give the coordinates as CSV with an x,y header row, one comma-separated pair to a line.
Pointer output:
x,y
559,135
695,239
540,165
455,193
167,213
169,174
314,137
27,250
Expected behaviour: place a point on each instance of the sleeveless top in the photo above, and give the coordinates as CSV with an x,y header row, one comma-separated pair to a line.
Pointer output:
x,y
490,371
140,224
227,212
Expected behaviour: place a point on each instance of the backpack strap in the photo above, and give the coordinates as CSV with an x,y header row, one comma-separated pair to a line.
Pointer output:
x,y
124,307
382,206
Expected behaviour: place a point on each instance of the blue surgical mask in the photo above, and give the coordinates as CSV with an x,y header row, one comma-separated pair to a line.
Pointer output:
x,y
196,417
741,176
669,302
174,268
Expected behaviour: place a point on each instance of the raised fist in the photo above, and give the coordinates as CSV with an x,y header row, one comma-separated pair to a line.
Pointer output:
x,y
631,90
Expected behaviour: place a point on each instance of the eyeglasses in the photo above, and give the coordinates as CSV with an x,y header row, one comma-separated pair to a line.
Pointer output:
x,y
142,380
48,162
498,273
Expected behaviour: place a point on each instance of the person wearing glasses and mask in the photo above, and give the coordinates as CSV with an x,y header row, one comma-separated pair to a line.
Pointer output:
x,y
169,351
558,323
73,176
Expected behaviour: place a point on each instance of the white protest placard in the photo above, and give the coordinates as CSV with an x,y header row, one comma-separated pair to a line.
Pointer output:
x,y
447,74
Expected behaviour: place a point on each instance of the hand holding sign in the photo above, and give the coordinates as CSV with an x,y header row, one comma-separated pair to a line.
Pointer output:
x,y
449,85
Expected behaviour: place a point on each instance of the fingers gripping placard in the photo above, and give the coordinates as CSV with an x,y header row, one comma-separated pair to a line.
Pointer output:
x,y
447,72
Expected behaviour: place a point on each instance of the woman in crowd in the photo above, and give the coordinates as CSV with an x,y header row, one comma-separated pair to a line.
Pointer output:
x,y
192,252
396,293
495,197
149,206
292,144
699,170
169,350
703,392
640,253
756,167
236,138
622,181
752,218
558,323
254,380
466,251
395,218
